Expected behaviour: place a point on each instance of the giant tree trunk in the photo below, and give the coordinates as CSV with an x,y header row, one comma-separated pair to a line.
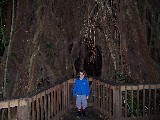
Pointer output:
x,y
54,38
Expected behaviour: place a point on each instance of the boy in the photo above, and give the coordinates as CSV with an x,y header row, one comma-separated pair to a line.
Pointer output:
x,y
81,92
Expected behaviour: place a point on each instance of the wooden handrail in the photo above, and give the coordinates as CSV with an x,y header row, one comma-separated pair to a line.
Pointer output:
x,y
49,104
119,102
116,102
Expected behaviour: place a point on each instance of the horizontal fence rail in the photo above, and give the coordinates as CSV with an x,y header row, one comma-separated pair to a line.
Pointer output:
x,y
127,102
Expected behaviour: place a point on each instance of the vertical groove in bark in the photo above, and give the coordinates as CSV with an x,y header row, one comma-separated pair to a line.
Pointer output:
x,y
8,53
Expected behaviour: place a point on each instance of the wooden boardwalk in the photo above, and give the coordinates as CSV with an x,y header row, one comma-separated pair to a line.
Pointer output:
x,y
90,112
55,103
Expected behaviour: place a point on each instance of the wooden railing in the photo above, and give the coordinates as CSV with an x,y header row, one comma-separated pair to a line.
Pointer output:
x,y
50,104
113,101
126,102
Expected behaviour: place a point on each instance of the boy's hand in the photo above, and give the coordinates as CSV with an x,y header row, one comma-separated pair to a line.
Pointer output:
x,y
86,97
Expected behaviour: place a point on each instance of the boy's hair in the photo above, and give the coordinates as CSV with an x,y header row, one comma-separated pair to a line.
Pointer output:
x,y
84,72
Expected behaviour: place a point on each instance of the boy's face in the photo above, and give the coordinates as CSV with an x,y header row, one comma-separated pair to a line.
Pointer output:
x,y
81,74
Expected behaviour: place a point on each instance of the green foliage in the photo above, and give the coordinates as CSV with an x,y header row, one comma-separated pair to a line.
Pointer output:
x,y
1,49
132,111
3,16
122,77
49,45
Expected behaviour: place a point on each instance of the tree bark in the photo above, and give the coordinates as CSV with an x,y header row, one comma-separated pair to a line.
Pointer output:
x,y
9,19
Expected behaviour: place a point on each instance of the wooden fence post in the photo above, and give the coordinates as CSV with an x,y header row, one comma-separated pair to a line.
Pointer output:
x,y
25,110
116,102
24,113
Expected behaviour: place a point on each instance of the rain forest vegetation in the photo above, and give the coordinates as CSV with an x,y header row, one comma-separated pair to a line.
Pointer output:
x,y
3,17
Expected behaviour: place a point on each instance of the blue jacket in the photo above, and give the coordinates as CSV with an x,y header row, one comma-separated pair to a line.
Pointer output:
x,y
81,87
